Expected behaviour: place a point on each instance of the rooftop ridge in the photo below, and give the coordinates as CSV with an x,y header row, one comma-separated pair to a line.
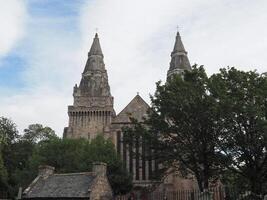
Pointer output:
x,y
75,173
135,97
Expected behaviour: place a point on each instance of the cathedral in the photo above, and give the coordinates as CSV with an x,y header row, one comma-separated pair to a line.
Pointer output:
x,y
92,112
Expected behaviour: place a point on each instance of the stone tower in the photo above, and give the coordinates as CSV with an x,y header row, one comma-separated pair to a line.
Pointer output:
x,y
179,60
92,110
92,113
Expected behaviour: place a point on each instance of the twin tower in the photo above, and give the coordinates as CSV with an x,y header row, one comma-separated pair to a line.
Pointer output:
x,y
92,112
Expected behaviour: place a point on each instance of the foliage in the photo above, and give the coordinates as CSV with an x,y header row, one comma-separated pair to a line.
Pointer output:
x,y
3,173
211,126
242,109
36,133
8,137
8,131
103,150
181,124
15,153
70,155
39,145
17,161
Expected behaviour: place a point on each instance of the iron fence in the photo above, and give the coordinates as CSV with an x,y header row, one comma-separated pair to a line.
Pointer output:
x,y
3,194
218,193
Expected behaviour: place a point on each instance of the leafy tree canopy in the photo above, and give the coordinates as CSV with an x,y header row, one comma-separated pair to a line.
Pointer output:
x,y
21,156
8,131
3,173
181,124
76,155
242,108
202,125
36,133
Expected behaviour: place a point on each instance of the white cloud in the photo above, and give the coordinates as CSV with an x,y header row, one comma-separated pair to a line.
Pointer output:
x,y
137,38
12,22
44,106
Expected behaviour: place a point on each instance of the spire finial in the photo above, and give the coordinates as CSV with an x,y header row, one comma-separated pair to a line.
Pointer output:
x,y
178,29
96,32
95,48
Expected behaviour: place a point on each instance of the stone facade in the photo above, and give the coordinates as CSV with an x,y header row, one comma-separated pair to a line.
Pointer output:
x,y
101,190
92,113
141,169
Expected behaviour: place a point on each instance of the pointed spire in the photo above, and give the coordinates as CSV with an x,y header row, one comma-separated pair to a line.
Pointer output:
x,y
179,60
95,48
94,82
178,46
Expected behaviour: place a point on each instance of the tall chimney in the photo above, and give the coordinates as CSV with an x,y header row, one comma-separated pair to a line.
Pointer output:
x,y
45,170
100,168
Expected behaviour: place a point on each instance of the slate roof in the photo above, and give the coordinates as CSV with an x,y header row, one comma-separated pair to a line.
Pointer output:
x,y
73,185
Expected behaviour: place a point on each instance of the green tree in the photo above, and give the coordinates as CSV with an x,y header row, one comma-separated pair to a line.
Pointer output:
x,y
8,131
18,161
65,155
103,150
37,132
242,109
76,155
3,174
17,150
181,126
8,136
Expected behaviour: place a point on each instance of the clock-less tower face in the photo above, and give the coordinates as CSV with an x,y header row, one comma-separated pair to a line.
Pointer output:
x,y
92,110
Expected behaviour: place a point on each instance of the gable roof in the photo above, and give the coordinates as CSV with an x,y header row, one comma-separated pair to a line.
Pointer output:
x,y
72,185
137,109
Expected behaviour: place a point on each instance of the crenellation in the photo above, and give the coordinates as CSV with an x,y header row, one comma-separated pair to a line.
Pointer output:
x,y
92,98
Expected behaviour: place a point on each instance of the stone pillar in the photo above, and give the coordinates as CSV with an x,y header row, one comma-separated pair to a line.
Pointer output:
x,y
100,168
45,170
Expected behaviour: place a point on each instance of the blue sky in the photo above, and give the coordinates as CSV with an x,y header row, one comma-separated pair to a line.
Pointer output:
x,y
11,68
44,44
45,16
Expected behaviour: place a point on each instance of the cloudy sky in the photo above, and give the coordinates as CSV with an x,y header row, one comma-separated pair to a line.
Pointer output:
x,y
44,45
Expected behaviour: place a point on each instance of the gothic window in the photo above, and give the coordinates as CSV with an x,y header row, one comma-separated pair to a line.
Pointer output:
x,y
143,160
150,163
124,152
119,142
137,157
131,155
